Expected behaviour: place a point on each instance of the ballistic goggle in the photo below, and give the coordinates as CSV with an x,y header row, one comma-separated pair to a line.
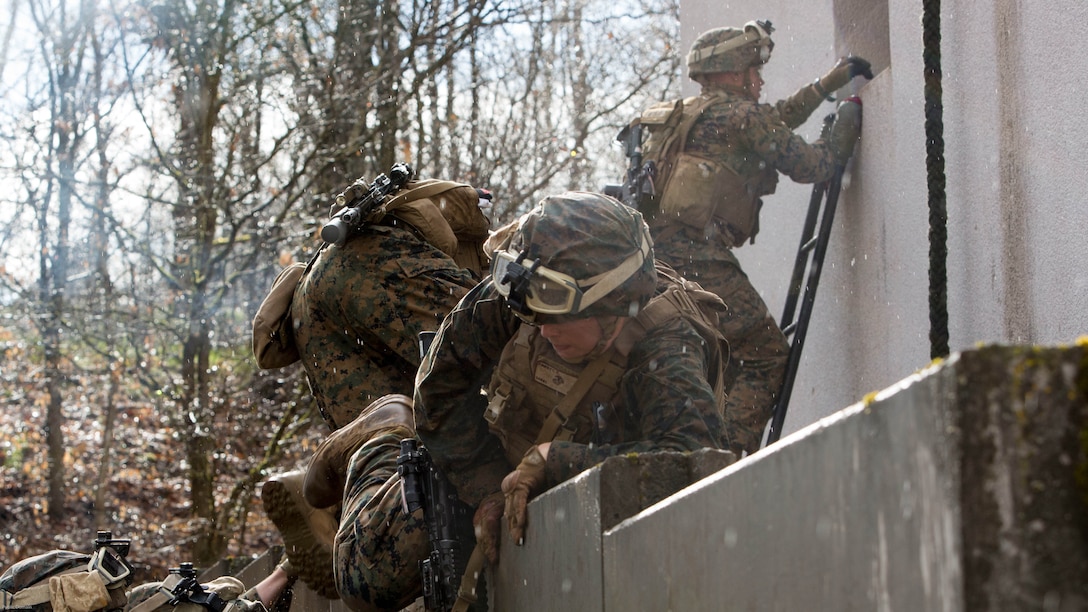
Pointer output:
x,y
758,32
530,288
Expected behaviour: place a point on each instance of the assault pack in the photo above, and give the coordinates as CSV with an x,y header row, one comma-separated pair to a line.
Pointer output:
x,y
653,142
445,214
70,581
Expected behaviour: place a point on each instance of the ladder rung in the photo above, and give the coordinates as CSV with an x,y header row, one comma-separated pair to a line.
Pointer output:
x,y
808,246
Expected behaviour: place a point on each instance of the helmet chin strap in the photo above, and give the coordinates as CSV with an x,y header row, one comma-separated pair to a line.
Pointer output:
x,y
748,83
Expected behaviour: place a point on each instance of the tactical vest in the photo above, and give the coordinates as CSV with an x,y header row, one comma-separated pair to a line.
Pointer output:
x,y
534,396
695,191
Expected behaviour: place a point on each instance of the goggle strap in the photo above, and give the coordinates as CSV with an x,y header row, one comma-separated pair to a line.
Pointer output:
x,y
613,278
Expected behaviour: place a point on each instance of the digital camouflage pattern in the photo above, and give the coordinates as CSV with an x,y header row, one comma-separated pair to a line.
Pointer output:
x,y
33,570
379,546
749,137
667,403
757,141
359,312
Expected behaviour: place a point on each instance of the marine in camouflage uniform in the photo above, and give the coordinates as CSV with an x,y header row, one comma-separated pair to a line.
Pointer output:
x,y
731,159
653,393
357,316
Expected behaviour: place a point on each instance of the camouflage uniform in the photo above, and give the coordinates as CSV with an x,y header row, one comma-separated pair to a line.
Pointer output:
x,y
660,398
664,400
379,546
755,140
359,312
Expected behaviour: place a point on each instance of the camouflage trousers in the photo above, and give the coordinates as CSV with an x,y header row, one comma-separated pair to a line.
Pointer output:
x,y
758,348
378,546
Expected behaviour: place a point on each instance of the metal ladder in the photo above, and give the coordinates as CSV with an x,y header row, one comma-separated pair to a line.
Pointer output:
x,y
810,258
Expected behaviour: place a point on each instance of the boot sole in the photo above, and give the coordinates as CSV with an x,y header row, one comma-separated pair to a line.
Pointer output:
x,y
310,558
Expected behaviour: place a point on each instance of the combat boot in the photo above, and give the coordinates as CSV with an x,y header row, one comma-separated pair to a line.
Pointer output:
x,y
308,532
326,476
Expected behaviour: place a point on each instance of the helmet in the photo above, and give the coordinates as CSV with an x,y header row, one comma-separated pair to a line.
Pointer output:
x,y
731,49
576,255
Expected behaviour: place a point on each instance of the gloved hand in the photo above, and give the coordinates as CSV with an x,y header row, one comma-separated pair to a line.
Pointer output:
x,y
847,68
846,130
857,66
524,482
486,523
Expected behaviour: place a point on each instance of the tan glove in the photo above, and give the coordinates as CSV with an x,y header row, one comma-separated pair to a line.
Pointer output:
x,y
843,72
486,523
847,130
523,483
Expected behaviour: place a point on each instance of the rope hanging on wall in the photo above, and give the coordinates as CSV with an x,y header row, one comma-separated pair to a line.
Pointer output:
x,y
935,179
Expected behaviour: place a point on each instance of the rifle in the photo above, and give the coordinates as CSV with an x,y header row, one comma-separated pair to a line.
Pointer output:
x,y
449,529
356,203
189,590
637,188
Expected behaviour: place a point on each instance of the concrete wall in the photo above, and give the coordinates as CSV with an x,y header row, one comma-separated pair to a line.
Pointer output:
x,y
1014,134
964,487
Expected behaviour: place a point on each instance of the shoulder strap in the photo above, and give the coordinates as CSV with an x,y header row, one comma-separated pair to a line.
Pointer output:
x,y
424,189
160,597
683,298
693,109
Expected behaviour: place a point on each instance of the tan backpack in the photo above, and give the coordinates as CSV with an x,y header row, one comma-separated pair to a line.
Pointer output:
x,y
446,214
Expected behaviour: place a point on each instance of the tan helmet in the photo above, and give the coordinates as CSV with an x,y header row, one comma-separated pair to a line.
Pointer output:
x,y
731,49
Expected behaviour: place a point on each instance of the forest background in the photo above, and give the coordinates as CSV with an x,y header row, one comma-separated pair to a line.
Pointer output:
x,y
162,160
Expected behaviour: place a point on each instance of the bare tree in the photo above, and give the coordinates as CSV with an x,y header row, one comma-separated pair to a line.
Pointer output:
x,y
238,123
64,39
217,171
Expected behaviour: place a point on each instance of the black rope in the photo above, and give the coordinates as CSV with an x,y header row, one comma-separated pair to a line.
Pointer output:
x,y
935,179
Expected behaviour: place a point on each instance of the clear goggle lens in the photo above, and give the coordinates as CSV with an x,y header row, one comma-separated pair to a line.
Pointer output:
x,y
528,285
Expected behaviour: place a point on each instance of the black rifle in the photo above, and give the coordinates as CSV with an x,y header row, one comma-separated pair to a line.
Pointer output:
x,y
359,200
189,590
449,527
637,188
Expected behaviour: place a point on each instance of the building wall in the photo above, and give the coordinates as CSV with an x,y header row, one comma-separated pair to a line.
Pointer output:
x,y
1016,171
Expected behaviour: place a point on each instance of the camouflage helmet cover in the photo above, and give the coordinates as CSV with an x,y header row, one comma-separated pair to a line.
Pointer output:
x,y
731,49
584,235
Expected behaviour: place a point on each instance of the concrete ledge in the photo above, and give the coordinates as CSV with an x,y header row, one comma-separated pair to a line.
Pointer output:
x,y
963,488
559,566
